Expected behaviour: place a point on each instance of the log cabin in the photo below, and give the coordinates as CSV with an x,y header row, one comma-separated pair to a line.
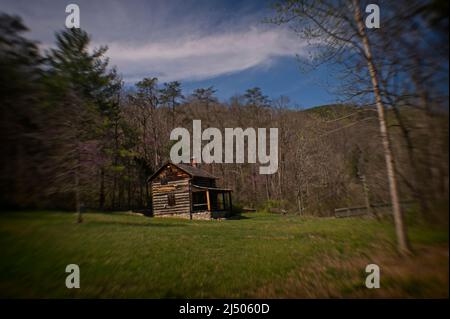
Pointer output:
x,y
187,191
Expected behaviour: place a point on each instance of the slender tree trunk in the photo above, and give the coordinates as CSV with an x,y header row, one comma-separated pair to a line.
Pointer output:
x,y
155,146
101,200
267,188
120,201
400,227
113,198
418,184
116,161
254,199
129,186
300,200
366,194
147,193
141,191
77,197
144,137
173,112
281,176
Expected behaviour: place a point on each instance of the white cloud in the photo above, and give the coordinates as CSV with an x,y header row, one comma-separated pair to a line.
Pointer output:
x,y
173,40
202,57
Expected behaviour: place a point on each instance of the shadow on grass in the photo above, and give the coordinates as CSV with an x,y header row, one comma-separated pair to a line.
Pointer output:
x,y
238,217
134,224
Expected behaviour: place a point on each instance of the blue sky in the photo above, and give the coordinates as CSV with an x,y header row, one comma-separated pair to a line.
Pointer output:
x,y
197,42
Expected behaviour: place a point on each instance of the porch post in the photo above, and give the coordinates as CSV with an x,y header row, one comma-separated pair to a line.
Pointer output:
x,y
208,201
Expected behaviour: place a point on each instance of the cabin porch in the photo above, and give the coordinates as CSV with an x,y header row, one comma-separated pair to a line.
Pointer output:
x,y
216,201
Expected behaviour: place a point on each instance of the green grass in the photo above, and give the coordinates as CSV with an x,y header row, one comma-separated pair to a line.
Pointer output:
x,y
261,255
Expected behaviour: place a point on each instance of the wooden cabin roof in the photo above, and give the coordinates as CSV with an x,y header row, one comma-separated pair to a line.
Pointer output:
x,y
195,171
189,169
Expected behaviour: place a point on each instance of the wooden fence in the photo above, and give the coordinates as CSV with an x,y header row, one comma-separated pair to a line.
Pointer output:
x,y
375,209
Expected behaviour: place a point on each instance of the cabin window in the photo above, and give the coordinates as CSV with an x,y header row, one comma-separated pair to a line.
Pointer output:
x,y
163,181
171,199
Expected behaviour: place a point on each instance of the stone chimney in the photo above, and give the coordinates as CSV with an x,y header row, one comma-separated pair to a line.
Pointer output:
x,y
193,162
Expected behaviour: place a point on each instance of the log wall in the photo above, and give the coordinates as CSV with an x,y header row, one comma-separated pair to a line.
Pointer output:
x,y
160,195
171,182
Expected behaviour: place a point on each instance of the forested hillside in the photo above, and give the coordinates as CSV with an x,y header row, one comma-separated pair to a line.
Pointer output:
x,y
72,132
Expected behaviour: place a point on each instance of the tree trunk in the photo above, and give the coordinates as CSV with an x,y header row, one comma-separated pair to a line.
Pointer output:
x,y
366,194
116,161
101,200
418,185
400,227
129,188
300,201
267,188
113,198
77,197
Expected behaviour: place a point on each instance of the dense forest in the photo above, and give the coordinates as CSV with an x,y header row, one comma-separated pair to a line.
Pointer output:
x,y
72,133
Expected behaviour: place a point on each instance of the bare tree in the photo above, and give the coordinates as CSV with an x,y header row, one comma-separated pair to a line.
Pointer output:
x,y
337,31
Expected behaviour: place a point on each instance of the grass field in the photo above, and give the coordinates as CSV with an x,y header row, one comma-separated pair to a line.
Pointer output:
x,y
259,255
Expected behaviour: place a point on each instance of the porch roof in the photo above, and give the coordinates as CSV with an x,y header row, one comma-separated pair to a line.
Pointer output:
x,y
197,188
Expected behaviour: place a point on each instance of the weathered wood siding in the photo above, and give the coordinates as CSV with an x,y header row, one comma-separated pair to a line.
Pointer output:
x,y
177,183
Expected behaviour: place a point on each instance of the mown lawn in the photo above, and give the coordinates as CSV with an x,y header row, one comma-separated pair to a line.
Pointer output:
x,y
260,255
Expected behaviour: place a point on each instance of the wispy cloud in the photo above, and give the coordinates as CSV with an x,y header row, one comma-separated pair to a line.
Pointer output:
x,y
173,40
195,58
